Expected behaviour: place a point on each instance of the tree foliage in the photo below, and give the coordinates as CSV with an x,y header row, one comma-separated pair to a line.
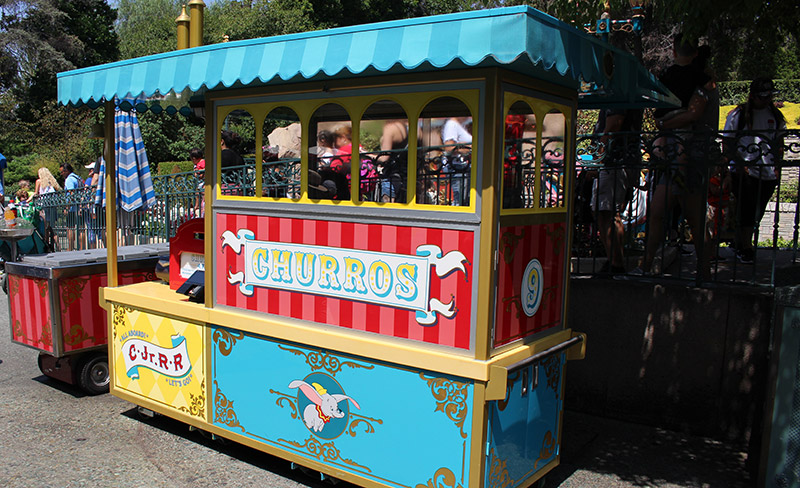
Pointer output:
x,y
42,37
39,38
146,26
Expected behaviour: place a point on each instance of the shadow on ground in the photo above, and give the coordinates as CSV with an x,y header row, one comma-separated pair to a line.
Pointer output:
x,y
261,460
598,452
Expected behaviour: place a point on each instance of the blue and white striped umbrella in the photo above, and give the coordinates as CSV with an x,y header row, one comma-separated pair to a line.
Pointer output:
x,y
134,184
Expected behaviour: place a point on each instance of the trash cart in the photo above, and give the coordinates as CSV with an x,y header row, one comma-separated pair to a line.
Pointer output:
x,y
54,308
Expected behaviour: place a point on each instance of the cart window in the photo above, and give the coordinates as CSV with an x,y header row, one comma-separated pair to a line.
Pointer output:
x,y
237,156
383,136
444,153
280,170
329,153
519,170
552,160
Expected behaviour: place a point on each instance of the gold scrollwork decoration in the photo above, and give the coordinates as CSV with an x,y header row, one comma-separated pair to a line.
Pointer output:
x,y
285,399
225,339
513,300
223,411
557,235
41,284
443,478
76,335
326,452
19,332
72,290
451,399
120,318
548,448
13,285
509,242
360,419
502,404
498,472
322,360
552,370
47,335
197,403
46,339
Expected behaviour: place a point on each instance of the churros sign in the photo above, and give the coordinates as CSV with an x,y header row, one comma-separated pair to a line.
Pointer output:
x,y
397,280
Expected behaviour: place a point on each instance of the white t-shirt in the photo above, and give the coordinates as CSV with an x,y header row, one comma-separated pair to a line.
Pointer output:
x,y
763,120
453,131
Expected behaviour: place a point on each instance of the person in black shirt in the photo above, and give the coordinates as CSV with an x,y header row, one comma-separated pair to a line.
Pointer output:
x,y
230,140
681,181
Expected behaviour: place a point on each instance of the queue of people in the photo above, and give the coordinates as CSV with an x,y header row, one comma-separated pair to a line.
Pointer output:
x,y
690,176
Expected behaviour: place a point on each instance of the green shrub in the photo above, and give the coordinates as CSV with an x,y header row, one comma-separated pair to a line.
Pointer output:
x,y
735,92
781,244
168,167
788,192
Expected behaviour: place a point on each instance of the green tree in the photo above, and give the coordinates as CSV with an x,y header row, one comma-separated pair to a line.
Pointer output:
x,y
147,26
39,40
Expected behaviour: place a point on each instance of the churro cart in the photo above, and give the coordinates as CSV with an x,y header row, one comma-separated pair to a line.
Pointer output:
x,y
54,307
384,294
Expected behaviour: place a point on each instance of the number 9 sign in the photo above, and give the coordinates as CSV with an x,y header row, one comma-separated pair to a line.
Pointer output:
x,y
531,290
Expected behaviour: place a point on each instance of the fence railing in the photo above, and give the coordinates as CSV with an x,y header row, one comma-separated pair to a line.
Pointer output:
x,y
73,219
668,190
704,207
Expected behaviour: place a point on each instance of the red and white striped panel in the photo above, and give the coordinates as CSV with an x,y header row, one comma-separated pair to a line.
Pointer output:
x,y
83,322
31,322
519,245
380,319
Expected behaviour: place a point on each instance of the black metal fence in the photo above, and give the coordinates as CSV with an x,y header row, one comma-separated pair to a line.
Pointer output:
x,y
658,192
710,207
73,219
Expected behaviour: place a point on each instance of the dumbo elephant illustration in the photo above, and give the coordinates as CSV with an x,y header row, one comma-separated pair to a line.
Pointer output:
x,y
323,407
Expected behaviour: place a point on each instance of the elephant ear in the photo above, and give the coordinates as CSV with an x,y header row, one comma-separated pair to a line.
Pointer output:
x,y
309,391
339,398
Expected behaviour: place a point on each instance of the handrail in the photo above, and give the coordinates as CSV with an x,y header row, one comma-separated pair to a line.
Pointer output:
x,y
541,355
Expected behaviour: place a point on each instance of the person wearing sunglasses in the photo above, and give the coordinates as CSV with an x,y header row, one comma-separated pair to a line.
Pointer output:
x,y
753,144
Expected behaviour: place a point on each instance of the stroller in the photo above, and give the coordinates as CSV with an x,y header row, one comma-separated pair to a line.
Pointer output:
x,y
36,243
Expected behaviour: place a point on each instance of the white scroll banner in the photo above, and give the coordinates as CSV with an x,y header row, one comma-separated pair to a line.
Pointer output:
x,y
396,280
169,361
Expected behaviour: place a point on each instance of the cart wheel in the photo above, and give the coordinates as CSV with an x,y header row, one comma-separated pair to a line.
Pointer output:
x,y
93,377
41,365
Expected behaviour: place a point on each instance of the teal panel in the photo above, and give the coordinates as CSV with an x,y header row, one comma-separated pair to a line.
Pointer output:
x,y
520,38
783,460
523,428
393,425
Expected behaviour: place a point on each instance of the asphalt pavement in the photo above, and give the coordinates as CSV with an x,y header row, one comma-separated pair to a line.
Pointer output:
x,y
52,435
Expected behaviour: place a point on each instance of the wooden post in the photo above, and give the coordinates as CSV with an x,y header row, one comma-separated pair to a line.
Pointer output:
x,y
111,195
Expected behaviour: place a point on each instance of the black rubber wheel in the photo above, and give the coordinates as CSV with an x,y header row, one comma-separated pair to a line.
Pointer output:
x,y
93,377
39,362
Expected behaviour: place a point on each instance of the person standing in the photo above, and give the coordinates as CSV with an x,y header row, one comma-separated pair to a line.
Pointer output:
x,y
614,187
199,164
684,178
71,182
753,159
457,141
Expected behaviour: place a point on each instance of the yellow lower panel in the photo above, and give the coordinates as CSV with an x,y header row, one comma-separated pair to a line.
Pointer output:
x,y
161,359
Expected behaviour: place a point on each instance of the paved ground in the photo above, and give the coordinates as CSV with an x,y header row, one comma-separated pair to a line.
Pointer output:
x,y
51,435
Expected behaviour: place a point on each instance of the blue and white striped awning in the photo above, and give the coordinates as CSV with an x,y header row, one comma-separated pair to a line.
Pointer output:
x,y
134,183
521,39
